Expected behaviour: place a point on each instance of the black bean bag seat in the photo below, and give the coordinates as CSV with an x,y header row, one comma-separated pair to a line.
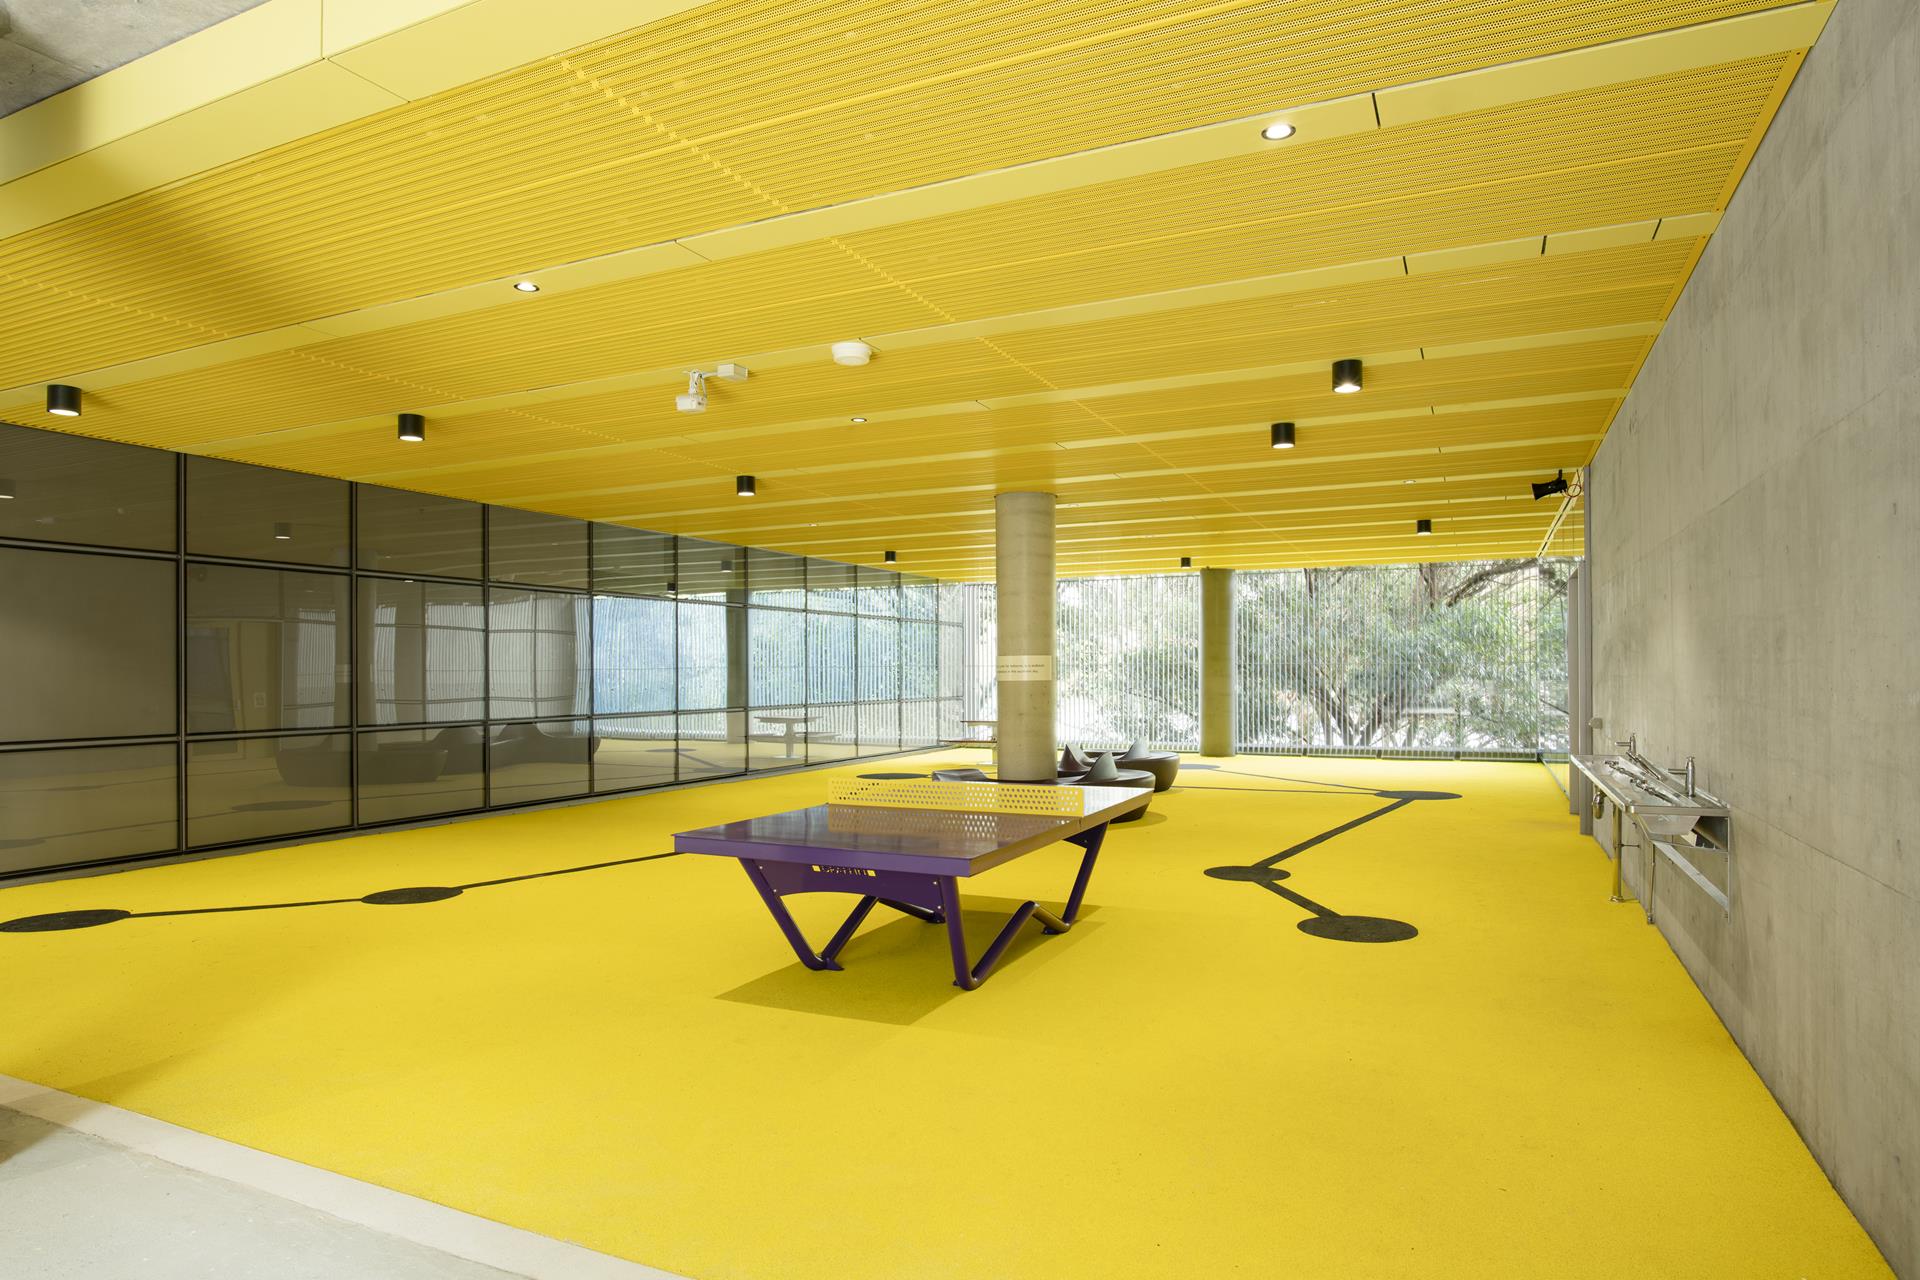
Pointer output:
x,y
1163,765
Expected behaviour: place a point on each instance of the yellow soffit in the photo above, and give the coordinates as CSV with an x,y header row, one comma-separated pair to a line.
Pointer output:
x,y
283,70
275,76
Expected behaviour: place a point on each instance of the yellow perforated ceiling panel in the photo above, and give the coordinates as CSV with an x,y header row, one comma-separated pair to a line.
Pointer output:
x,y
1120,330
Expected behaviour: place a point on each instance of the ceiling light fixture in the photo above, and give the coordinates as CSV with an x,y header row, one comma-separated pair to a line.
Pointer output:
x,y
743,487
1283,435
6,490
892,558
413,428
283,532
858,420
526,286
1278,131
1346,376
1186,562
1423,527
63,401
852,354
1547,488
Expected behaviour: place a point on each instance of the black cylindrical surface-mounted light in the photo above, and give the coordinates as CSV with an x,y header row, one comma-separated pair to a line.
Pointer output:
x,y
1423,527
1346,376
413,428
283,532
63,401
1283,435
743,487
6,489
893,558
1186,562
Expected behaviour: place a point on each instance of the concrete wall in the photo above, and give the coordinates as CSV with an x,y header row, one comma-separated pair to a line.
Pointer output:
x,y
1756,590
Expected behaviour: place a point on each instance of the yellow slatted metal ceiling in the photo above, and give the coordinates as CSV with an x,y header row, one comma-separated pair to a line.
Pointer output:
x,y
1079,263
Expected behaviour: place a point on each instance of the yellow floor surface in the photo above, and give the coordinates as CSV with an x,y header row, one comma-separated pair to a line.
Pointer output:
x,y
1186,1085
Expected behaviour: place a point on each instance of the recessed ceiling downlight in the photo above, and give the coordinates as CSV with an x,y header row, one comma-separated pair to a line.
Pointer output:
x,y
526,286
1278,131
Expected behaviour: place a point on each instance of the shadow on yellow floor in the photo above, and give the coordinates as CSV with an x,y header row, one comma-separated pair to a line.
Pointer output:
x,y
1187,1085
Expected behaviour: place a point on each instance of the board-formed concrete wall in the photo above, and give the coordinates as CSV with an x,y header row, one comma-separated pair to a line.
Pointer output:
x,y
1756,589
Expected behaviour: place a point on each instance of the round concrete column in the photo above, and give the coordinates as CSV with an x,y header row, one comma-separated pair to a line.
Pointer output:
x,y
1024,590
1216,662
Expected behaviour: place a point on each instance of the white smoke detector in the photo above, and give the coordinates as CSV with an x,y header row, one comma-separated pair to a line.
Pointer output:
x,y
852,354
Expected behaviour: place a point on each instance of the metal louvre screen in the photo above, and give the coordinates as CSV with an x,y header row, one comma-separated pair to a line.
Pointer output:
x,y
1449,660
1444,659
1128,660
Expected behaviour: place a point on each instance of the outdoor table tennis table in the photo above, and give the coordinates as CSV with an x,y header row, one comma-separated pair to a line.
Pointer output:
x,y
909,859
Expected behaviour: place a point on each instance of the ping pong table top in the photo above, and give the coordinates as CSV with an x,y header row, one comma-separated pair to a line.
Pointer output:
x,y
930,841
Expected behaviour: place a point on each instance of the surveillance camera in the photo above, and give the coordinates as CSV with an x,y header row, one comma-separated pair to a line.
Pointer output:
x,y
691,402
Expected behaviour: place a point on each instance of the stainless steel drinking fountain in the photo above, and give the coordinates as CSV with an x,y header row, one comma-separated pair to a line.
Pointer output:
x,y
1674,817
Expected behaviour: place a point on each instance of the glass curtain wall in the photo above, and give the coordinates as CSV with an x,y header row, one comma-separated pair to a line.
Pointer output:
x,y
1443,659
207,653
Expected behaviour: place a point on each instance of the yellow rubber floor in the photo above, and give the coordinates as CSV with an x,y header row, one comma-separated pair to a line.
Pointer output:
x,y
1187,1085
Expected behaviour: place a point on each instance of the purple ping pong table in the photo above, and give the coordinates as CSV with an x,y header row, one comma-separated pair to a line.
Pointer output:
x,y
908,859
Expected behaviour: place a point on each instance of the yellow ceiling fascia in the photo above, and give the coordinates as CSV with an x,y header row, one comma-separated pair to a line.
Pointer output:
x,y
417,48
1478,255
248,49
1687,226
364,29
291,336
304,100
1794,26
1592,238
281,71
1315,122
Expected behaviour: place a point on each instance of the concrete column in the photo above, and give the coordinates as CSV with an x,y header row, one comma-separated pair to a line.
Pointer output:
x,y
1216,662
1579,693
1024,590
736,666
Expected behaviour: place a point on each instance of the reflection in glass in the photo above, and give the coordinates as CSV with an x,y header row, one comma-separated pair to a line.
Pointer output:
x,y
412,773
537,659
919,660
879,727
829,587
537,549
712,743
832,732
257,513
712,645
776,580
422,652
777,657
403,532
633,648
779,736
544,761
86,805
266,649
919,597
919,723
879,648
632,562
635,751
86,646
61,488
262,788
878,592
829,658
712,571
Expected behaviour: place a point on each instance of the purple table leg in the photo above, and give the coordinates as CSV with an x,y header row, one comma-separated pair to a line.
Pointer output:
x,y
968,975
897,889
